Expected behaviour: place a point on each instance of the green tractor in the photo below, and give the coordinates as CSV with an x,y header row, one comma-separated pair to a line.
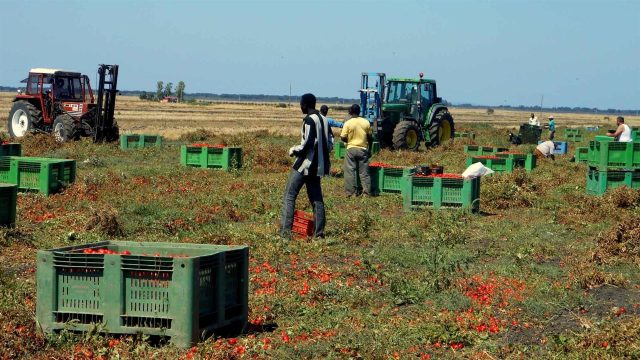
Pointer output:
x,y
404,111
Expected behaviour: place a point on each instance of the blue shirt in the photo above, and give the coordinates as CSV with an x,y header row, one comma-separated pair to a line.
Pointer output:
x,y
552,125
333,123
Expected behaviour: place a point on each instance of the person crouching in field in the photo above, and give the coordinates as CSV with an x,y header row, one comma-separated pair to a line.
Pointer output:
x,y
357,134
311,163
545,150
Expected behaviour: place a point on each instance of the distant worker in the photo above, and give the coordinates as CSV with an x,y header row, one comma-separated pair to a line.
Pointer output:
x,y
552,127
60,91
324,109
545,150
310,165
358,136
623,132
533,120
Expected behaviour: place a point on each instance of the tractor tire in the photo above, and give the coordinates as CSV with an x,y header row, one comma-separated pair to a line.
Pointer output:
x,y
64,128
441,128
23,118
406,136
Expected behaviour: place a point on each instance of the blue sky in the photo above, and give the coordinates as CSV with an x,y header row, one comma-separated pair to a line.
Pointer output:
x,y
576,53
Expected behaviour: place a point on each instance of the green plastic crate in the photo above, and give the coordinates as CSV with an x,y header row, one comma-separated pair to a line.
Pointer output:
x,y
11,149
389,180
340,150
45,175
225,158
475,150
635,134
181,291
598,182
526,161
571,131
582,154
530,134
604,138
614,155
574,137
469,135
438,193
138,141
8,197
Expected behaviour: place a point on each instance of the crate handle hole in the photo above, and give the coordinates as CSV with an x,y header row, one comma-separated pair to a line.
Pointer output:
x,y
182,265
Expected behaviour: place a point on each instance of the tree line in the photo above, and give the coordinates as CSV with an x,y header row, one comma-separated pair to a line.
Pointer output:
x,y
164,91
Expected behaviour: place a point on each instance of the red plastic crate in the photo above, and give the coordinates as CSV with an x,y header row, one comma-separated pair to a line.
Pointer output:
x,y
302,223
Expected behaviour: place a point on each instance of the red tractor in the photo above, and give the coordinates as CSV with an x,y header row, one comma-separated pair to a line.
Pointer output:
x,y
62,103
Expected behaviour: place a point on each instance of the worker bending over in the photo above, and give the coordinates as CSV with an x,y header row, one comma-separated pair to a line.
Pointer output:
x,y
545,150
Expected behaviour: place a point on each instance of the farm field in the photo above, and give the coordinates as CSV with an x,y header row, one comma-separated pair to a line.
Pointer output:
x,y
543,271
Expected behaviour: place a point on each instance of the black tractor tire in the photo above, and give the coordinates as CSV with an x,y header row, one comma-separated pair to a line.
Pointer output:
x,y
64,128
443,119
406,136
22,125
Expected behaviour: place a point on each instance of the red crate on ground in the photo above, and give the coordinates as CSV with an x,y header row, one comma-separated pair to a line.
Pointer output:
x,y
302,224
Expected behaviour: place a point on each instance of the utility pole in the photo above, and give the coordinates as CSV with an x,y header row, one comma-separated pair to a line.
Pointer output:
x,y
289,92
541,101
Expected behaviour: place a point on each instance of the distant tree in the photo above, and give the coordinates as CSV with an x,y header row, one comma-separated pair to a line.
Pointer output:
x,y
489,111
144,96
180,90
168,89
159,90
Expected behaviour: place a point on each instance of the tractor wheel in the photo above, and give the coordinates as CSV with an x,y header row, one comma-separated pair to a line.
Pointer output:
x,y
441,129
406,136
23,118
64,128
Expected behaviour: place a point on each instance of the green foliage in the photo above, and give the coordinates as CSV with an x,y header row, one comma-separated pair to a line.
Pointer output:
x,y
159,90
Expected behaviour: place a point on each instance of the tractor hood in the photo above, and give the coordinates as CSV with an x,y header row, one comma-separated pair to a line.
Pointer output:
x,y
395,107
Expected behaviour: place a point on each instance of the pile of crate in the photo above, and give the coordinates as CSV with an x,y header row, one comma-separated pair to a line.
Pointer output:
x,y
612,164
530,134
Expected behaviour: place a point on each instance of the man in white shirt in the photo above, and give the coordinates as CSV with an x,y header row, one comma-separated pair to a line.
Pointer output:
x,y
545,150
623,132
533,120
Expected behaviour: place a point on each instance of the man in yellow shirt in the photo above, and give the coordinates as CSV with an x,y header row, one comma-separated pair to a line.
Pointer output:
x,y
357,134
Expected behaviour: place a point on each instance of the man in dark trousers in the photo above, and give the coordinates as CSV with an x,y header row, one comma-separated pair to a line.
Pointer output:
x,y
357,135
311,163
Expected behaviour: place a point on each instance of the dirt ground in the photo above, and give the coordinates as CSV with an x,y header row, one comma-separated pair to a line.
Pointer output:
x,y
173,120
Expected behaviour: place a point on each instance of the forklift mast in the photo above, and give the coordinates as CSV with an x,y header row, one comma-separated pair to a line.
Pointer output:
x,y
105,126
371,95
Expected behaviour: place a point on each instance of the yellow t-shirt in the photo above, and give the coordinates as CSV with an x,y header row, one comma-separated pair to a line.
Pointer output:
x,y
356,130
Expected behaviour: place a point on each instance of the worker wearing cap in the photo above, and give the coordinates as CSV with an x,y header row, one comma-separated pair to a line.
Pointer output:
x,y
545,150
357,134
552,127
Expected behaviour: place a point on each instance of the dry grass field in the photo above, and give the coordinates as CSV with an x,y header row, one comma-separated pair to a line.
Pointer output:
x,y
173,120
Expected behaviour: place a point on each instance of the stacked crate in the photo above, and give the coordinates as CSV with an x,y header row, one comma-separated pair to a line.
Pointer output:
x,y
572,134
211,156
612,164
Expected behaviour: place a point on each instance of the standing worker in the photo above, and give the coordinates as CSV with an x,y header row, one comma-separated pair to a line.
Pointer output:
x,y
311,164
623,132
552,127
324,109
545,150
358,136
533,120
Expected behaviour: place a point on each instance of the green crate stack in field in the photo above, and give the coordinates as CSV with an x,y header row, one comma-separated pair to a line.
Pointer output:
x,y
138,141
441,192
605,155
389,179
571,131
598,182
530,134
45,175
497,164
476,150
340,150
582,154
8,198
210,157
11,149
467,134
571,134
181,291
